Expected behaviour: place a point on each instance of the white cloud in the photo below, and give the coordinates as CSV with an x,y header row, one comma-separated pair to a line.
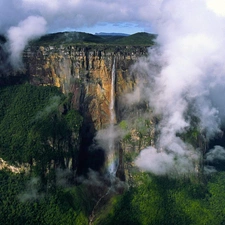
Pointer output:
x,y
160,162
217,6
74,13
191,40
18,36
217,153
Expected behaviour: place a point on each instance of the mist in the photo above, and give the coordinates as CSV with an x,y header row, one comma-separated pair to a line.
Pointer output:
x,y
190,58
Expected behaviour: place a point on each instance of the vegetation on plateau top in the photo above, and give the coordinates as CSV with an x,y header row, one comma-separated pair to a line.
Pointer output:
x,y
71,38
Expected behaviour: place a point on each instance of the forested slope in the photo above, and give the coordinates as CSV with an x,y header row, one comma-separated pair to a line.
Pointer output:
x,y
40,130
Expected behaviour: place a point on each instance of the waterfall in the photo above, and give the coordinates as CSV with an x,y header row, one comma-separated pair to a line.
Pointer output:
x,y
112,161
112,98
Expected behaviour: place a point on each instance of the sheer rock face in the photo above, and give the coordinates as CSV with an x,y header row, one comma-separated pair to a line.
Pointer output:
x,y
85,72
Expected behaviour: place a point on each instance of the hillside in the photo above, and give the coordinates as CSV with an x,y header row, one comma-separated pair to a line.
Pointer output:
x,y
69,38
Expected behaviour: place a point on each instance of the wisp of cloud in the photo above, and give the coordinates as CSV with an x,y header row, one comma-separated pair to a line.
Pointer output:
x,y
19,36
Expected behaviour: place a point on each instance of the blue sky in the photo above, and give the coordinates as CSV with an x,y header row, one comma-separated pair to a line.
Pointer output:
x,y
127,28
91,16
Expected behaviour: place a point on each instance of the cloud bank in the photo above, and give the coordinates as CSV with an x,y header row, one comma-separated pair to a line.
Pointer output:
x,y
190,52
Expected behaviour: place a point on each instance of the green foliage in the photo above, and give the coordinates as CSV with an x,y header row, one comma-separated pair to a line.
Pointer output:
x,y
162,200
34,130
129,156
216,198
19,105
192,136
63,206
142,128
67,38
74,120
123,125
81,38
153,200
38,126
137,134
141,38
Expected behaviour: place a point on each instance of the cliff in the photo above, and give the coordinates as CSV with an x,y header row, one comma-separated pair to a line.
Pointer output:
x,y
86,72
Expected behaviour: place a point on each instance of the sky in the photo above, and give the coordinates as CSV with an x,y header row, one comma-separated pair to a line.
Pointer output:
x,y
89,15
126,28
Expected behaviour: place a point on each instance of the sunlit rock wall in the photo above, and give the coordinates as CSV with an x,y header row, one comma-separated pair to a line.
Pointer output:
x,y
86,73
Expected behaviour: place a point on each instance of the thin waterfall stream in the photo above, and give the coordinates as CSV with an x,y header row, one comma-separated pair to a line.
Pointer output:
x,y
112,161
112,167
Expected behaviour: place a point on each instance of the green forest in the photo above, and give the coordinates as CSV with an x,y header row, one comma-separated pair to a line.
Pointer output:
x,y
68,38
40,134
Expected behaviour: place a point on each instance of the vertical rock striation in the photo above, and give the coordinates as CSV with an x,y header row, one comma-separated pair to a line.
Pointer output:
x,y
84,71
